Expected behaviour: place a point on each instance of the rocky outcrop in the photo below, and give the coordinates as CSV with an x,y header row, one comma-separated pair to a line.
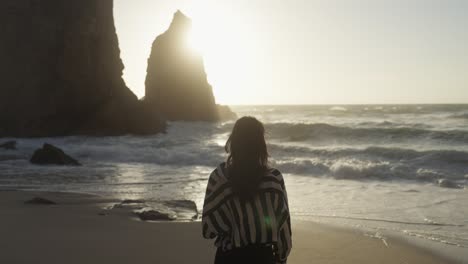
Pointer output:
x,y
445,183
156,210
153,215
176,82
61,72
50,154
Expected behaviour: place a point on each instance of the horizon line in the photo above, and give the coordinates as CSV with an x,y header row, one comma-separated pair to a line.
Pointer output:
x,y
346,104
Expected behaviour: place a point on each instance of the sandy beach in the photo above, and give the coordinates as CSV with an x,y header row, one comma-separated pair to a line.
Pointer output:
x,y
348,119
79,230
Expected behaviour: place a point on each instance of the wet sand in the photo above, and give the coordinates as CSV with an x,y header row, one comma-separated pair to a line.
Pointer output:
x,y
79,230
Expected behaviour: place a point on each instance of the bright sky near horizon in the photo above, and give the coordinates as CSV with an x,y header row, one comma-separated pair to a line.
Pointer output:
x,y
312,51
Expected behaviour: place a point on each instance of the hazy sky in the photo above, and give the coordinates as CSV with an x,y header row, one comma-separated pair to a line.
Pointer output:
x,y
312,51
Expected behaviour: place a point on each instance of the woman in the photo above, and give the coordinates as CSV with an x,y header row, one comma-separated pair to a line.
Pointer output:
x,y
246,206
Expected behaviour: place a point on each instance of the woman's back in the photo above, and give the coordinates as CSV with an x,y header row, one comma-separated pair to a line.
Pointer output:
x,y
239,222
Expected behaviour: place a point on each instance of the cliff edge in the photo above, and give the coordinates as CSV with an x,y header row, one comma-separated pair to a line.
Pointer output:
x,y
61,72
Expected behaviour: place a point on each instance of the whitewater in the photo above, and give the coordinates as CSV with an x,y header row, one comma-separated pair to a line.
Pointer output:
x,y
395,168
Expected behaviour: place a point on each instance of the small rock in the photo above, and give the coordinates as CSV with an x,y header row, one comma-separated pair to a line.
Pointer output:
x,y
39,200
448,184
11,145
153,215
50,154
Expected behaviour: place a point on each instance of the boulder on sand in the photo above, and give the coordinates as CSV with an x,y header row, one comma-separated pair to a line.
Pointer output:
x,y
153,215
50,154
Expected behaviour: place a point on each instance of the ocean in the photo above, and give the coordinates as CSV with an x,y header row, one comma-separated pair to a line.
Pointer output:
x,y
398,168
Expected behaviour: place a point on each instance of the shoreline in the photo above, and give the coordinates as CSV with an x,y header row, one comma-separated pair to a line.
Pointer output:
x,y
79,230
450,252
453,253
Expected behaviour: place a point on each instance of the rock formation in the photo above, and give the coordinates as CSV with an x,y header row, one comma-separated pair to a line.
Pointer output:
x,y
61,72
50,154
445,183
176,82
153,215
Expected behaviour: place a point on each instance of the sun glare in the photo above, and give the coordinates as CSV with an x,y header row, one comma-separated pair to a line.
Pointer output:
x,y
194,41
229,42
223,41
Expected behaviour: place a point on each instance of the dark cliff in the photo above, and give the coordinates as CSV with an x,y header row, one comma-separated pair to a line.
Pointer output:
x,y
176,82
61,72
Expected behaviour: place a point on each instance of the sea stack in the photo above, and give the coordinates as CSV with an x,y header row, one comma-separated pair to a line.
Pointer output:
x,y
61,72
176,81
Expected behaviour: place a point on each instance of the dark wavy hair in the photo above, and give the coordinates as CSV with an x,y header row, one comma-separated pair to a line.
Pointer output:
x,y
247,162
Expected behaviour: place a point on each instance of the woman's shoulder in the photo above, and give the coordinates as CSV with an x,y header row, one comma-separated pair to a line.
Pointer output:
x,y
217,177
274,172
273,179
220,171
274,175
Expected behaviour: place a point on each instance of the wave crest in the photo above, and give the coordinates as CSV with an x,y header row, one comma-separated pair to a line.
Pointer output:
x,y
326,133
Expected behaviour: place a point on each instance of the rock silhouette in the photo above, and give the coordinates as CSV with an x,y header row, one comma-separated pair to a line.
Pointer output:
x,y
61,72
50,154
153,215
176,82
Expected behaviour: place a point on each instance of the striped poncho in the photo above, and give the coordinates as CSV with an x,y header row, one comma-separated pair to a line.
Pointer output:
x,y
264,219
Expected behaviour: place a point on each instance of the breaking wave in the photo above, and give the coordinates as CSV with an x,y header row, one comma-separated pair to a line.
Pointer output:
x,y
373,163
460,116
326,133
